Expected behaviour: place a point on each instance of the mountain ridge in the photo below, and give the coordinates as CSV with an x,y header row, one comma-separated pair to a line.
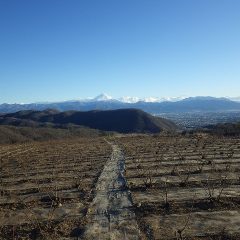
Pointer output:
x,y
121,120
105,102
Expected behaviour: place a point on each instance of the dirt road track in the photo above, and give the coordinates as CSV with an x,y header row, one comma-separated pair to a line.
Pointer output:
x,y
110,215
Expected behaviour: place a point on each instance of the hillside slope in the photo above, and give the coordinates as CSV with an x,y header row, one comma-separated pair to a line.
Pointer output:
x,y
122,120
12,134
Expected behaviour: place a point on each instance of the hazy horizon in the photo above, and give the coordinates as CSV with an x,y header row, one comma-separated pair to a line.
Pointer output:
x,y
127,99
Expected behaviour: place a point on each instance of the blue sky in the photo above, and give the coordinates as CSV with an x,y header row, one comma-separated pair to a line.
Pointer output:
x,y
53,50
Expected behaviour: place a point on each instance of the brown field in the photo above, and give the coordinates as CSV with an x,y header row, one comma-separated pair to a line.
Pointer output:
x,y
179,188
46,187
184,188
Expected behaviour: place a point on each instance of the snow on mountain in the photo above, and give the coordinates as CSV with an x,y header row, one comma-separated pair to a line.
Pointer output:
x,y
236,99
106,102
173,99
162,99
149,99
102,97
129,99
126,99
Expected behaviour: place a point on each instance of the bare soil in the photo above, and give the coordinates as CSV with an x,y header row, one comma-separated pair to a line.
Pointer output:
x,y
110,212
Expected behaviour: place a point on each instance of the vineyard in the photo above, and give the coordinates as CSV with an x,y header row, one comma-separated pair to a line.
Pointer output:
x,y
184,188
121,187
46,188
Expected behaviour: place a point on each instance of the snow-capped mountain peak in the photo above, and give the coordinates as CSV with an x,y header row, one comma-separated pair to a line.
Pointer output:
x,y
103,97
129,99
149,99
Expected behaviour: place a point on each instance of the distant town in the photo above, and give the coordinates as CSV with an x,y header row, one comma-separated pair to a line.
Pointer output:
x,y
193,120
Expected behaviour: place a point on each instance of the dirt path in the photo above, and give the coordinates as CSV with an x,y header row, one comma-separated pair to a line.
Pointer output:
x,y
110,216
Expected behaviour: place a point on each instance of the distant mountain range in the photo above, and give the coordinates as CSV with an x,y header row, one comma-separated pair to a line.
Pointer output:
x,y
122,120
150,105
105,97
